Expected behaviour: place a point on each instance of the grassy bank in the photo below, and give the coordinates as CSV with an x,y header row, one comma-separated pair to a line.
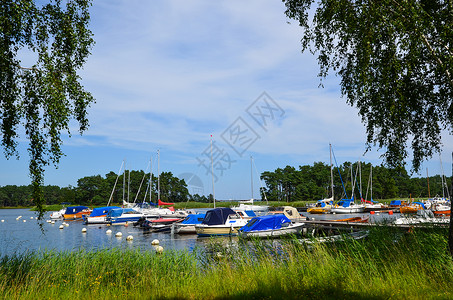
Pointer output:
x,y
388,264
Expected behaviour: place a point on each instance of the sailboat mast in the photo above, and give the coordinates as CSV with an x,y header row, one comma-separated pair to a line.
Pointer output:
x,y
158,176
331,171
371,180
212,175
128,184
251,174
427,178
124,181
360,178
442,176
150,179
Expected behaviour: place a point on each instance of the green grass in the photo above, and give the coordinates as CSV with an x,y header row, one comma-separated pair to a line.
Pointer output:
x,y
388,264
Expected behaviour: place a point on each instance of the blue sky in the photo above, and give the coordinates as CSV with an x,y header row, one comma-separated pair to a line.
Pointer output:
x,y
169,74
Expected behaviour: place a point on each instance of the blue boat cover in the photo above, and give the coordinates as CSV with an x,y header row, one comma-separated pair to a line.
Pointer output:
x,y
250,213
70,210
269,222
345,202
193,219
116,212
217,216
100,211
395,202
422,204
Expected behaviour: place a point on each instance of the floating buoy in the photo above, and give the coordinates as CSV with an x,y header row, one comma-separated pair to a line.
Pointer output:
x,y
126,225
25,221
108,232
3,221
53,222
159,249
61,227
155,242
66,224
18,217
118,234
390,212
129,238
84,230
48,221
372,212
31,218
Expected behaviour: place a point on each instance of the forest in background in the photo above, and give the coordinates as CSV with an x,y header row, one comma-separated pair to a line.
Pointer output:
x,y
307,183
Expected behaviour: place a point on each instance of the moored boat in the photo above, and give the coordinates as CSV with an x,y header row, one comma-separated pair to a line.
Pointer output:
x,y
347,206
76,212
122,216
220,221
412,208
270,226
98,215
187,226
321,207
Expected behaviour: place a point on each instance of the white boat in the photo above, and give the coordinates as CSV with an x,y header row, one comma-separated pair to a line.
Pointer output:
x,y
248,205
98,215
347,206
290,212
220,221
58,214
422,217
270,226
123,216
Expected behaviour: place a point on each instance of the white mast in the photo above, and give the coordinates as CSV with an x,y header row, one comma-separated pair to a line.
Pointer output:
x,y
158,176
251,174
212,175
150,179
331,172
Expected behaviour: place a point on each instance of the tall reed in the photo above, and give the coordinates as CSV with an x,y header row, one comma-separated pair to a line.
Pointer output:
x,y
387,264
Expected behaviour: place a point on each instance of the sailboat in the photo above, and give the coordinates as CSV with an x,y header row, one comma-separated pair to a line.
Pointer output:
x,y
348,206
248,204
99,215
324,206
371,205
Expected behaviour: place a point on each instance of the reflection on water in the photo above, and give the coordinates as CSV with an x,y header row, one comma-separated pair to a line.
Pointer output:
x,y
20,235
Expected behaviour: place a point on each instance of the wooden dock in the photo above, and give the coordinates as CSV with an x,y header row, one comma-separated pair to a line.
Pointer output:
x,y
331,224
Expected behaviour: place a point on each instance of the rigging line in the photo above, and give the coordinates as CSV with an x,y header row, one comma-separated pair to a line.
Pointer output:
x,y
116,181
141,183
335,159
261,182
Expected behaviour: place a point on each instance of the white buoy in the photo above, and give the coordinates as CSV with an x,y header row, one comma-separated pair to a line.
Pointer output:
x,y
84,230
61,227
48,221
52,222
155,242
25,221
159,249
129,238
108,232
3,221
66,224
31,218
118,234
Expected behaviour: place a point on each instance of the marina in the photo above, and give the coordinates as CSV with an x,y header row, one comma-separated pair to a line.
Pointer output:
x,y
21,232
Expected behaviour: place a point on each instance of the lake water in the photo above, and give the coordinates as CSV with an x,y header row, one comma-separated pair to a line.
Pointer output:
x,y
18,236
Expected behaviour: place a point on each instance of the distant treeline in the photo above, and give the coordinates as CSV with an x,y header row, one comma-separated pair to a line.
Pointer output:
x,y
307,183
314,182
96,190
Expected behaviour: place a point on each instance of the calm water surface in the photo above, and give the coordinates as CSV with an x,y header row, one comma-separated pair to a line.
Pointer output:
x,y
18,236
